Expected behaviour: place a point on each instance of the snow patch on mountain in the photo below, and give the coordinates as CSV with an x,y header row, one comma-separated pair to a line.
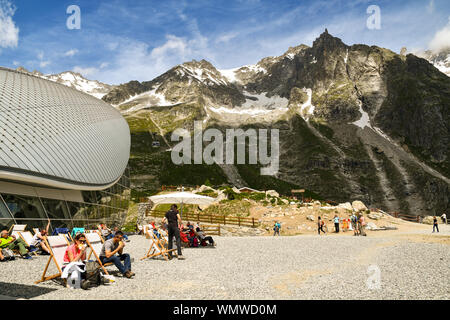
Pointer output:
x,y
146,100
203,75
263,101
364,121
230,74
307,109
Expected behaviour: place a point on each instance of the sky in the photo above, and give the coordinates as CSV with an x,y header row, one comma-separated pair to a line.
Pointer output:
x,y
123,40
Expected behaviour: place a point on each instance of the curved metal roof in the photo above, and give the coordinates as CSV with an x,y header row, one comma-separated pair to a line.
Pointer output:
x,y
57,136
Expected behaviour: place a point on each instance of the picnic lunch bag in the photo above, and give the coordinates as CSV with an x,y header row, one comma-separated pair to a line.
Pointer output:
x,y
8,254
93,275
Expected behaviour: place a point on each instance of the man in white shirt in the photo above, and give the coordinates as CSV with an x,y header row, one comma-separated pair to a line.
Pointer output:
x,y
444,218
38,240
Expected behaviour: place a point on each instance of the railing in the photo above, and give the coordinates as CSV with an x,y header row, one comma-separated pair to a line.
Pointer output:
x,y
211,230
407,217
208,218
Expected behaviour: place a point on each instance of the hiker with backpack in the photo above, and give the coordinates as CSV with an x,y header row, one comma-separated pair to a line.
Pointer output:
x,y
320,224
354,222
276,228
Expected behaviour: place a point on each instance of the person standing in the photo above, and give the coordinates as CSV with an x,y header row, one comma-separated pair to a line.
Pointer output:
x,y
174,223
362,225
320,225
276,228
336,223
435,224
444,218
354,221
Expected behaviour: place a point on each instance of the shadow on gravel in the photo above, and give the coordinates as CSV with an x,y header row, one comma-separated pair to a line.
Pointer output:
x,y
22,291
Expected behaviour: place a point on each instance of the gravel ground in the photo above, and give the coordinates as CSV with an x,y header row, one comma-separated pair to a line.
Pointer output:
x,y
297,267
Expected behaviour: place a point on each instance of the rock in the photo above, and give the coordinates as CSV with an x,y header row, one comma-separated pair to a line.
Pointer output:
x,y
371,226
203,188
236,190
346,206
317,204
375,215
310,217
272,193
428,220
221,196
359,206
285,201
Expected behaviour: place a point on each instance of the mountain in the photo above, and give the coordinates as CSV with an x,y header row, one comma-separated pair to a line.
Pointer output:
x,y
76,81
356,122
440,59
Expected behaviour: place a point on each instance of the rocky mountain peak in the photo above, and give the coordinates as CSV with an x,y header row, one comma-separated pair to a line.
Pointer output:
x,y
327,41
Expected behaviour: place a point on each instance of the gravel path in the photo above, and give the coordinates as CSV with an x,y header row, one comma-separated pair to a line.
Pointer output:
x,y
300,267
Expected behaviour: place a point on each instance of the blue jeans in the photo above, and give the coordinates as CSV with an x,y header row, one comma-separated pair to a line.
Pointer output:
x,y
126,266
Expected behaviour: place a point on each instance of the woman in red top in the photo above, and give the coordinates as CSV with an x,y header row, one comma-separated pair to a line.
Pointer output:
x,y
76,251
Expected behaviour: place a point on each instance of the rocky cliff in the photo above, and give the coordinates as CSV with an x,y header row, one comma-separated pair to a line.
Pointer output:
x,y
355,122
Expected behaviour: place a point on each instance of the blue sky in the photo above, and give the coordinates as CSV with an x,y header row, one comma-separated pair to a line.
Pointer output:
x,y
128,40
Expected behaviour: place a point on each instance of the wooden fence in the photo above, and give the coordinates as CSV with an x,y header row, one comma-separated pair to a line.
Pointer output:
x,y
211,230
208,218
406,217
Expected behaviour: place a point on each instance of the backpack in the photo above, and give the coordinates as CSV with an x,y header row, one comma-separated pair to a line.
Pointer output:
x,y
93,275
195,242
8,254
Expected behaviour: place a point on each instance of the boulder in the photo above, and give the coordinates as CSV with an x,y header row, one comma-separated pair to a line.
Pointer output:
x,y
236,190
428,220
375,215
346,206
317,204
359,206
310,217
285,201
203,188
371,226
221,196
272,193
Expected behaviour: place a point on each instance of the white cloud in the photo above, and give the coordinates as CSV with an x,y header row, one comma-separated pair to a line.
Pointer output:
x,y
85,72
227,37
9,33
441,39
71,53
104,65
16,63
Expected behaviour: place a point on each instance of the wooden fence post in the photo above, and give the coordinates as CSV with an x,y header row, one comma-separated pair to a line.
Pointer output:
x,y
224,220
253,222
219,229
239,221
